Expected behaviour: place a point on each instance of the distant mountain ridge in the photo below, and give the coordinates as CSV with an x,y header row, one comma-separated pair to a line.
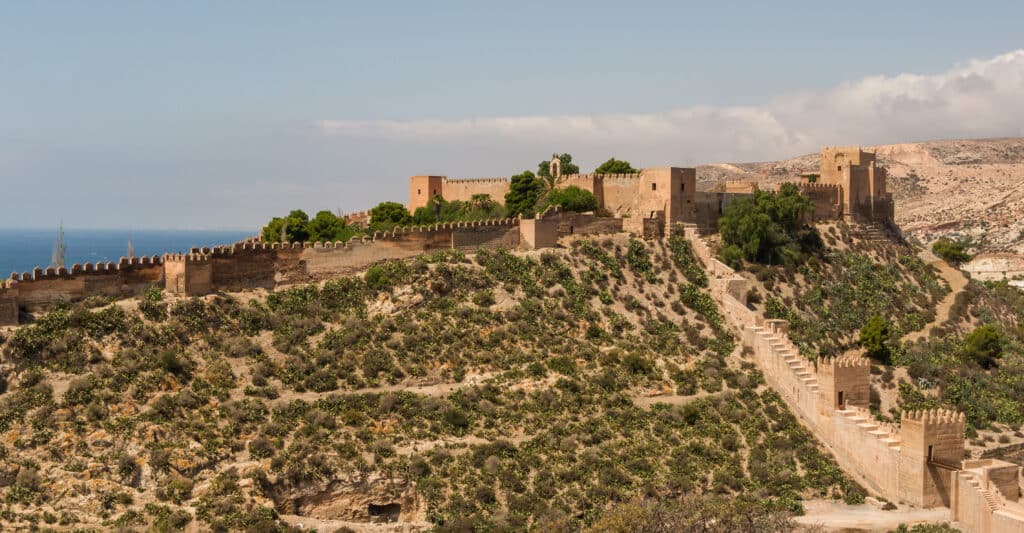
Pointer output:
x,y
962,188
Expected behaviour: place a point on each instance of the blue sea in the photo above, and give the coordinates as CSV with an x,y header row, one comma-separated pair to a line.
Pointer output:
x,y
21,250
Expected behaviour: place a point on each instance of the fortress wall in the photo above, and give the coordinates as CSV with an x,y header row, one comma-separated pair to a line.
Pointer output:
x,y
9,303
621,194
645,228
709,206
588,182
463,190
914,463
986,497
772,352
588,224
538,233
245,266
473,236
188,274
125,278
825,197
866,447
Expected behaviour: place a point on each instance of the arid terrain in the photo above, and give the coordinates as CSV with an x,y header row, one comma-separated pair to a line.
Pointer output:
x,y
957,188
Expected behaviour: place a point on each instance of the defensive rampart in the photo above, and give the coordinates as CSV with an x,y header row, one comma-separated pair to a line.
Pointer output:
x,y
40,287
251,265
912,462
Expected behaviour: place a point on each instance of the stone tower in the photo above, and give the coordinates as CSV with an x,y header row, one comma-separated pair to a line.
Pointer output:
x,y
864,193
555,169
423,189
932,448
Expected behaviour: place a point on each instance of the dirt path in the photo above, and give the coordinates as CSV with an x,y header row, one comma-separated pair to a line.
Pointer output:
x,y
956,280
837,516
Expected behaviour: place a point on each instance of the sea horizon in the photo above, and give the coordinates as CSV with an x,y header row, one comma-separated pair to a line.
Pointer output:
x,y
23,249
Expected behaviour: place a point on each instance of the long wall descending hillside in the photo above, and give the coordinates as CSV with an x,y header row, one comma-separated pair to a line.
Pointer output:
x,y
919,461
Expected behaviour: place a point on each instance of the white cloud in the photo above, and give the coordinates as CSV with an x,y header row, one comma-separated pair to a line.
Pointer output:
x,y
983,98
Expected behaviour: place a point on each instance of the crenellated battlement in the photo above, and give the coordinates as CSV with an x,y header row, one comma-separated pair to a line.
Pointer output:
x,y
627,176
935,417
844,361
807,185
499,180
193,257
124,264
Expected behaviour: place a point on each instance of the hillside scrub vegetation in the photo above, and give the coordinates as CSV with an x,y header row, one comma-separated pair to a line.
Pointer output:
x,y
593,377
834,293
974,362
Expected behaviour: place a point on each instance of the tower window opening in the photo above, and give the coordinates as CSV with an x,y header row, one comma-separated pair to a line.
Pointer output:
x,y
654,186
929,454
682,186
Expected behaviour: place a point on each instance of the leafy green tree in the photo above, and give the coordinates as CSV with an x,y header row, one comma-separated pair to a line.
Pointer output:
x,y
293,227
768,227
387,215
875,338
984,345
616,166
573,198
327,226
952,251
524,191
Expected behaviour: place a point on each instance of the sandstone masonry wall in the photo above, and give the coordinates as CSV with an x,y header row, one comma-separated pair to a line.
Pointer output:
x,y
463,190
124,278
911,463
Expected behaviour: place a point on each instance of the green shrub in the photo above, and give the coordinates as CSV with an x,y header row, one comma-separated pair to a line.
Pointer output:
x,y
984,345
875,338
386,275
637,257
952,251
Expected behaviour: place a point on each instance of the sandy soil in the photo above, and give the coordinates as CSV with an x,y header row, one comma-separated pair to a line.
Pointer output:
x,y
837,516
956,280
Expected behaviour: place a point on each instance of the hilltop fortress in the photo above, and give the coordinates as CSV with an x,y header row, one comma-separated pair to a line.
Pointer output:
x,y
652,203
919,461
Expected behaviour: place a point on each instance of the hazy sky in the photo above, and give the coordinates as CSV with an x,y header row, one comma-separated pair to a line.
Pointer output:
x,y
221,114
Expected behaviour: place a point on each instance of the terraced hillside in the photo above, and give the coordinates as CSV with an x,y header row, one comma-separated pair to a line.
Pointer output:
x,y
500,391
